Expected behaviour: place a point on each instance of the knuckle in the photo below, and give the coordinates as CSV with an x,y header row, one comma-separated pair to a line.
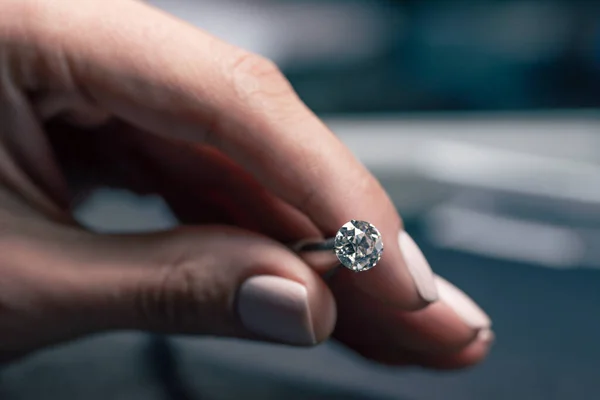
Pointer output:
x,y
257,79
178,300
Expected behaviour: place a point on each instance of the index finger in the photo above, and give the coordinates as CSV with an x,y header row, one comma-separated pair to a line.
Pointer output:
x,y
169,78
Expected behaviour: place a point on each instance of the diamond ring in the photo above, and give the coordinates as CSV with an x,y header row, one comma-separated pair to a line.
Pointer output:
x,y
357,245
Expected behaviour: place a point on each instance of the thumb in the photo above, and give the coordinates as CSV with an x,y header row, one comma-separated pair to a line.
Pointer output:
x,y
213,281
210,281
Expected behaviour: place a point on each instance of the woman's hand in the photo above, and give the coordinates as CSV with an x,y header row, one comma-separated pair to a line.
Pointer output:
x,y
118,93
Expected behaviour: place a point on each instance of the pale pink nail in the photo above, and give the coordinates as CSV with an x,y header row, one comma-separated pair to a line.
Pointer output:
x,y
463,305
486,335
276,308
418,267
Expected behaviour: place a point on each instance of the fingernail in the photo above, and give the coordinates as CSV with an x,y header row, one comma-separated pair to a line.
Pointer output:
x,y
463,306
276,308
418,267
486,335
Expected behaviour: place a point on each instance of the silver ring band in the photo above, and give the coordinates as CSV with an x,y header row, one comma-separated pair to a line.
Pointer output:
x,y
357,246
307,246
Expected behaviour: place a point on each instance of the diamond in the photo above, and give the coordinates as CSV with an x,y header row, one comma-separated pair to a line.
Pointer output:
x,y
358,245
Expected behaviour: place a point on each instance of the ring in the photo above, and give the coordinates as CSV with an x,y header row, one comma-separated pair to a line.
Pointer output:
x,y
357,245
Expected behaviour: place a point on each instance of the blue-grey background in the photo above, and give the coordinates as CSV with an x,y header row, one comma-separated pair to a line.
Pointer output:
x,y
480,119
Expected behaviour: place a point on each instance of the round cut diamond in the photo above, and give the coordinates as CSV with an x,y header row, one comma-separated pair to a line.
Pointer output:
x,y
358,245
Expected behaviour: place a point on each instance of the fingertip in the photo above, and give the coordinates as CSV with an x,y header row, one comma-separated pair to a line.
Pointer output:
x,y
276,308
469,356
486,336
462,305
323,309
418,268
434,330
403,278
290,305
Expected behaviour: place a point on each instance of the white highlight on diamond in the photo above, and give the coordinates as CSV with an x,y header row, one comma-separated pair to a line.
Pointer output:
x,y
358,245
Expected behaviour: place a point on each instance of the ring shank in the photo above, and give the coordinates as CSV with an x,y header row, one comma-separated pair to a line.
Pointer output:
x,y
314,245
317,253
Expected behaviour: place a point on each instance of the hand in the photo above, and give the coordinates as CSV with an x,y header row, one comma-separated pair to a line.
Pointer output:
x,y
118,93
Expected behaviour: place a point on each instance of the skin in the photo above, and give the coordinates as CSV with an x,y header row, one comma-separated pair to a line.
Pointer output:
x,y
117,93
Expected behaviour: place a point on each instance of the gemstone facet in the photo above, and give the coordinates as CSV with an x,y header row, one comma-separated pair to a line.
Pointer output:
x,y
358,245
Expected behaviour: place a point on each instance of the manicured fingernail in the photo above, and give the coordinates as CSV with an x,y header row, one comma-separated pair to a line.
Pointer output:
x,y
418,267
463,306
276,308
486,335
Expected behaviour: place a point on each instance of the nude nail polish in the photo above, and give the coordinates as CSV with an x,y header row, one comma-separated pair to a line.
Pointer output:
x,y
463,305
276,308
486,335
418,267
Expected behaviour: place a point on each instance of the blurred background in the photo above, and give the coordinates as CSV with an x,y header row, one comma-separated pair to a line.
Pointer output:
x,y
480,119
